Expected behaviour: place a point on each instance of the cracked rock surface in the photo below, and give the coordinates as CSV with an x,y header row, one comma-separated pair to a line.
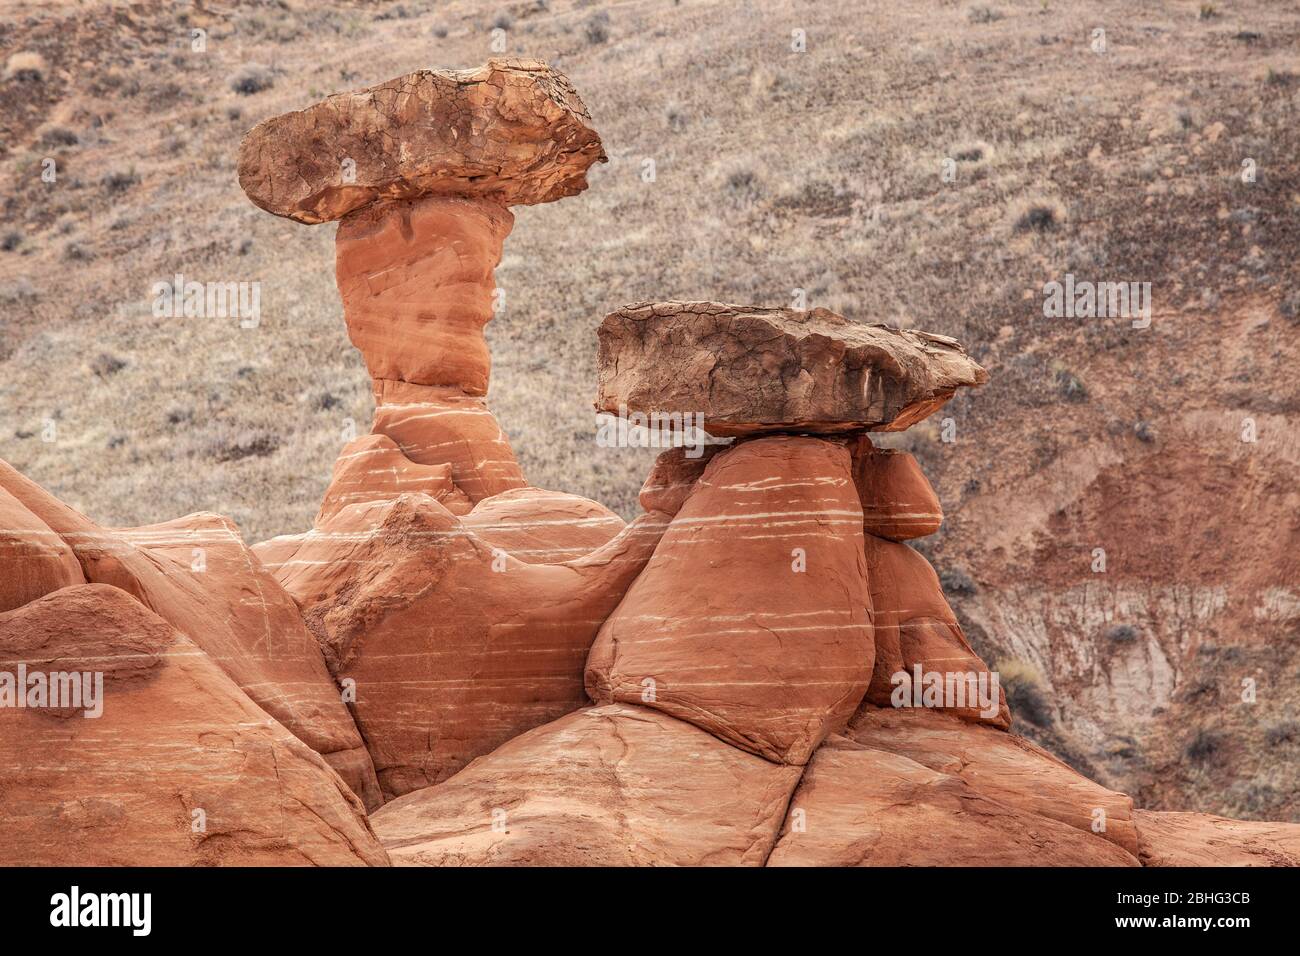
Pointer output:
x,y
1172,838
750,370
513,131
863,806
616,785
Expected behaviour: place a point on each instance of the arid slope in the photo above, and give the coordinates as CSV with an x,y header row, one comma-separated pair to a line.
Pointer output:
x,y
745,170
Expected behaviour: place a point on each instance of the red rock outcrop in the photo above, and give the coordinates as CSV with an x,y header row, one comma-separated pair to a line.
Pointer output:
x,y
752,620
628,785
196,574
860,806
543,527
179,767
606,786
34,559
455,635
1202,839
898,502
453,645
1000,766
916,629
750,370
777,677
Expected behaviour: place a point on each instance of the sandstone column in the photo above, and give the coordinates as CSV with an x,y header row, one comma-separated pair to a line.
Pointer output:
x,y
420,172
416,281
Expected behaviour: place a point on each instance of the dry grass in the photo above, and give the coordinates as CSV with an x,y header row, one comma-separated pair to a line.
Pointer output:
x,y
775,171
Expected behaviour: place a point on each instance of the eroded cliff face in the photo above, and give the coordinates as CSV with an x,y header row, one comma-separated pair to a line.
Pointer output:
x,y
1138,571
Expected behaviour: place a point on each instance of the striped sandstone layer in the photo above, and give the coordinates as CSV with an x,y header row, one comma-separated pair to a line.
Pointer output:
x,y
179,768
915,628
416,282
444,426
753,619
197,574
453,644
897,500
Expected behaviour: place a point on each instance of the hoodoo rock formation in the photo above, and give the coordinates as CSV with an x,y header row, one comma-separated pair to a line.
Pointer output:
x,y
433,571
420,172
452,667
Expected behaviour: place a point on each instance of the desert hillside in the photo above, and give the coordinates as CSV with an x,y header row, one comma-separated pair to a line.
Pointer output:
x,y
929,164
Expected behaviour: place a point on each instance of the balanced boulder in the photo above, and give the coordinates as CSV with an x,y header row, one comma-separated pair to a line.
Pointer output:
x,y
421,171
749,370
513,131
452,635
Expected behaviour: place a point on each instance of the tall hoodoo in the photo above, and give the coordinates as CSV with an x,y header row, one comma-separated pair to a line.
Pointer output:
x,y
420,172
